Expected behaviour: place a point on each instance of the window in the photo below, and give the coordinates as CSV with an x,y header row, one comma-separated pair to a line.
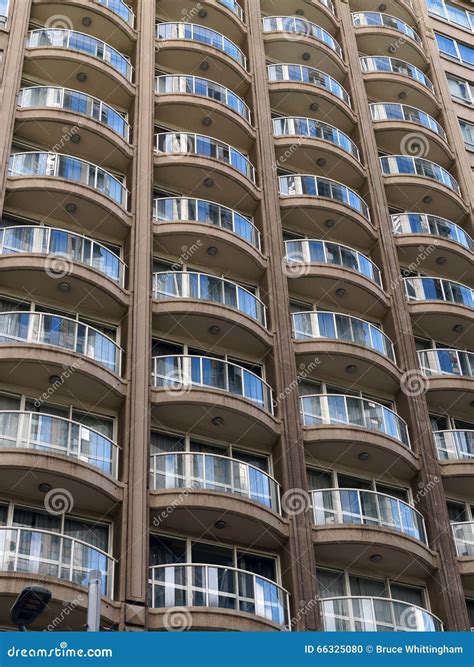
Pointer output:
x,y
456,50
451,13
467,130
460,89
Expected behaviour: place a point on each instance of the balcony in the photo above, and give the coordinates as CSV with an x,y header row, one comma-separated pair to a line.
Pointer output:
x,y
432,185
365,614
456,457
463,532
181,157
191,301
450,374
296,90
383,33
286,36
316,138
120,9
321,12
225,16
240,599
439,362
186,221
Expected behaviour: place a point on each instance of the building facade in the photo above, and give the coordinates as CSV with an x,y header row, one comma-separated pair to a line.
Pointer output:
x,y
236,323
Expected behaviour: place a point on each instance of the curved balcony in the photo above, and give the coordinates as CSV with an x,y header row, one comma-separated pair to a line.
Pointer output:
x,y
296,90
321,12
375,34
285,36
227,589
447,361
225,16
451,375
421,224
455,450
47,554
366,614
234,6
463,532
121,9
305,185
437,289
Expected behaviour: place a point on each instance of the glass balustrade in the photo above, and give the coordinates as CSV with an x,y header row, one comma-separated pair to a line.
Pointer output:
x,y
204,585
182,372
341,409
312,251
78,41
62,332
210,472
45,553
31,239
446,362
454,445
438,289
463,532
56,165
303,185
53,97
234,6
316,129
370,19
381,111
205,287
174,143
305,74
396,66
337,326
185,209
402,165
56,435
121,9
422,223
301,27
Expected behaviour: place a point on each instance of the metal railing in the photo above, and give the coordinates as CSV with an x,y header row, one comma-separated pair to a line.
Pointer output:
x,y
57,435
186,143
381,111
211,472
338,326
78,41
373,614
294,126
121,9
194,85
463,532
182,373
234,6
401,165
438,289
205,585
58,165
186,209
422,223
303,28
305,74
306,185
62,332
365,507
342,409
396,66
198,33
46,553
55,97
369,19
206,287
32,239
315,251
445,361
455,444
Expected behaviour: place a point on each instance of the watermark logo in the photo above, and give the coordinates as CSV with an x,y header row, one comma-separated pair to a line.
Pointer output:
x,y
414,383
295,501
177,619
58,501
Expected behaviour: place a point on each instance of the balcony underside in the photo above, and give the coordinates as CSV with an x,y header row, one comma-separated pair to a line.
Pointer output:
x,y
289,47
437,319
449,394
378,40
458,264
400,9
314,11
407,191
387,87
391,135
466,568
210,619
219,17
458,477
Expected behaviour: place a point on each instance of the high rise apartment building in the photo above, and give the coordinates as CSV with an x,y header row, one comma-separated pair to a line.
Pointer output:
x,y
236,313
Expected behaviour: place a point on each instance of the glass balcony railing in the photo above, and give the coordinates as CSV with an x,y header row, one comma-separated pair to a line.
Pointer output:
x,y
438,289
463,532
53,97
78,41
185,209
369,508
402,165
45,553
204,585
316,129
303,28
175,143
455,445
183,372
198,33
380,111
62,332
365,614
56,165
342,409
337,326
193,85
311,251
305,74
304,185
205,287
234,6
192,470
32,239
369,19
396,66
56,435
121,9
446,362
3,12
422,223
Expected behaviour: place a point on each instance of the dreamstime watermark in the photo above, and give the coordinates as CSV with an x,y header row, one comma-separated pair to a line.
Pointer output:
x,y
306,607
68,135
65,611
415,145
296,266
187,15
57,383
58,266
168,511
289,152
423,253
295,501
177,619
59,22
58,502
414,383
425,489
304,373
